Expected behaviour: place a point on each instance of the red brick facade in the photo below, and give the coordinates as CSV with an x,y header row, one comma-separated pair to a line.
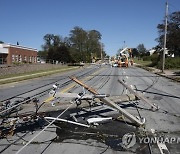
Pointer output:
x,y
20,54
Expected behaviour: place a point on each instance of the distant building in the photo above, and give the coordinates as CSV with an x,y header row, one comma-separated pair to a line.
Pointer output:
x,y
151,52
41,60
10,54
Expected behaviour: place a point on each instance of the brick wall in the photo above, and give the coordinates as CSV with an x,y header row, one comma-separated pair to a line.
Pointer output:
x,y
20,55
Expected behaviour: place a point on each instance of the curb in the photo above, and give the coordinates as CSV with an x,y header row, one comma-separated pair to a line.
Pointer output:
x,y
168,77
151,70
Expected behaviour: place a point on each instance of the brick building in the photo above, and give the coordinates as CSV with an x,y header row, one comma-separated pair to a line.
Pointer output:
x,y
10,54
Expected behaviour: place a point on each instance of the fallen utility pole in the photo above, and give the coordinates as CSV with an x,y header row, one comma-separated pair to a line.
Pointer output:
x,y
110,103
155,107
123,98
93,91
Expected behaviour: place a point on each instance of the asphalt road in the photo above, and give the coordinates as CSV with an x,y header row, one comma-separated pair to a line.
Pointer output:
x,y
105,138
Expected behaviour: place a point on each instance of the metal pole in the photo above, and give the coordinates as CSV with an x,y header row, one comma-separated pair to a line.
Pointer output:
x,y
68,121
165,32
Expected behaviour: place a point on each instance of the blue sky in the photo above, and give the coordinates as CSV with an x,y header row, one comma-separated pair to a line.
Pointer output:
x,y
132,21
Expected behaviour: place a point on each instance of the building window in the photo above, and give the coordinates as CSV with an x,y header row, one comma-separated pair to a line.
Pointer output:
x,y
20,58
13,58
16,58
30,59
25,58
35,59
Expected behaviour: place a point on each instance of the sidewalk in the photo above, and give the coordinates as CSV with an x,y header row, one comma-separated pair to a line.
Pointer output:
x,y
170,74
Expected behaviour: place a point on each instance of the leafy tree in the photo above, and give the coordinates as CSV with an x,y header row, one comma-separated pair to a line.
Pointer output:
x,y
142,50
52,41
85,43
135,52
42,54
64,54
79,46
56,48
57,40
93,43
60,53
173,33
51,55
78,37
48,41
67,42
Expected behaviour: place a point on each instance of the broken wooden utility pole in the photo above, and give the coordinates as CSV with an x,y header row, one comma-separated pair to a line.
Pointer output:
x,y
110,103
139,96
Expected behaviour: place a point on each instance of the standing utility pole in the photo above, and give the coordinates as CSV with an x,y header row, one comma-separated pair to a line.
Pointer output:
x,y
102,53
124,46
165,32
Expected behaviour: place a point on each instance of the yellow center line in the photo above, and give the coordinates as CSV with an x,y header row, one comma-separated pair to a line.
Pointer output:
x,y
66,89
49,99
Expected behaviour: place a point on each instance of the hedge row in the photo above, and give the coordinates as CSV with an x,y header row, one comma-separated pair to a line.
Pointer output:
x,y
170,63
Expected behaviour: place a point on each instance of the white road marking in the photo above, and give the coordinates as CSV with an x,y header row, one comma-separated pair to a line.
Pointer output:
x,y
162,147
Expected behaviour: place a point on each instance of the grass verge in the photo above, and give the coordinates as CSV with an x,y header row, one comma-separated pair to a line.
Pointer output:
x,y
142,63
146,65
35,74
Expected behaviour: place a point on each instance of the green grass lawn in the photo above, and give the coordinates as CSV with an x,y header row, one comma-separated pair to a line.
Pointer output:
x,y
141,62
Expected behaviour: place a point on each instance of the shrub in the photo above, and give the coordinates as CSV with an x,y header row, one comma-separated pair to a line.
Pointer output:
x,y
170,63
17,63
155,58
147,58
